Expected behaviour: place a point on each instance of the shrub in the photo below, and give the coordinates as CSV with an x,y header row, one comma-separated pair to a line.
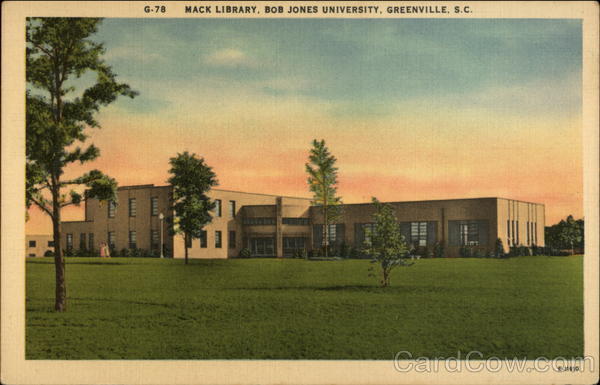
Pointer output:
x,y
245,253
438,250
303,254
344,250
68,253
499,248
49,253
466,251
124,252
477,253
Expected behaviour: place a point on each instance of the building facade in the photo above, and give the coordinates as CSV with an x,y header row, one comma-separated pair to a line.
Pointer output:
x,y
38,245
270,225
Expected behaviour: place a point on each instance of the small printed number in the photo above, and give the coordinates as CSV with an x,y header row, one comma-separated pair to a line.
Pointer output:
x,y
155,9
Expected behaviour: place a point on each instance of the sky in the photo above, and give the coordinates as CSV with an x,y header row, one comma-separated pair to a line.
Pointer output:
x,y
413,109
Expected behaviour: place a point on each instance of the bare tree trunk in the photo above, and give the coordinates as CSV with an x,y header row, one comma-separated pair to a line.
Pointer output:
x,y
185,240
326,224
60,303
386,278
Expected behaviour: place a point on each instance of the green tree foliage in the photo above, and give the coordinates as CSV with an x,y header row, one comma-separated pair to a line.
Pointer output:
x,y
191,179
386,245
322,182
59,51
566,234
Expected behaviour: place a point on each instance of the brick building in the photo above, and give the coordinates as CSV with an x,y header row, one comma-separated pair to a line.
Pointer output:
x,y
270,225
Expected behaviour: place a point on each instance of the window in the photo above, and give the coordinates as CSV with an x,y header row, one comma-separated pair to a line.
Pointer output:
x,y
232,239
517,233
112,208
259,221
82,241
132,240
262,246
69,241
508,237
32,243
154,239
50,243
368,230
154,206
91,241
132,207
218,207
418,233
112,240
528,238
203,239
535,232
231,209
513,233
332,234
218,239
293,244
295,221
469,233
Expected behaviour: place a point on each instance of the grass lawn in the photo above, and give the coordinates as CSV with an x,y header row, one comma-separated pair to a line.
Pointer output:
x,y
125,308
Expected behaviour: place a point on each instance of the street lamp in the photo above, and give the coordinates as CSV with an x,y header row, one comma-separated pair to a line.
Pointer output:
x,y
161,217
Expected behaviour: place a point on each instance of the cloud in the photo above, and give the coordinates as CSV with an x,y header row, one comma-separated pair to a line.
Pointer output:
x,y
133,52
229,57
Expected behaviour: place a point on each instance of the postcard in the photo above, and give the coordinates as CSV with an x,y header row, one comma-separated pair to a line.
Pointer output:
x,y
307,192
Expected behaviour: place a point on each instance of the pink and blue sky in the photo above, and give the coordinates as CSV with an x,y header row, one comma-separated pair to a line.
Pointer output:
x,y
412,108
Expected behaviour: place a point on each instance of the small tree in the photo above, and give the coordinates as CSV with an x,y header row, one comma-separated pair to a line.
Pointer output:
x,y
322,181
191,179
59,51
567,234
386,245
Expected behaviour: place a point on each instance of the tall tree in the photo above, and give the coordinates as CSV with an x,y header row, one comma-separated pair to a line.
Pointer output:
x,y
322,182
58,112
191,179
385,244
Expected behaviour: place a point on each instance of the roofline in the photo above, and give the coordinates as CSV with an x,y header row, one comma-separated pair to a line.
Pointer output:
x,y
443,200
310,199
127,187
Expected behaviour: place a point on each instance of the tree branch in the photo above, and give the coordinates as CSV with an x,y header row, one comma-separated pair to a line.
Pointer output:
x,y
42,206
41,49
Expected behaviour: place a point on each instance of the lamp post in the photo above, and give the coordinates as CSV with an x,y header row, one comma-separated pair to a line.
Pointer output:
x,y
161,217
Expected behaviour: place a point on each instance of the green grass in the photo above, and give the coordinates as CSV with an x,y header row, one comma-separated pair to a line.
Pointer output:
x,y
294,309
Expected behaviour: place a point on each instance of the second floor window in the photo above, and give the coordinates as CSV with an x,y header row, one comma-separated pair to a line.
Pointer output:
x,y
232,209
132,207
218,207
32,243
112,208
154,206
